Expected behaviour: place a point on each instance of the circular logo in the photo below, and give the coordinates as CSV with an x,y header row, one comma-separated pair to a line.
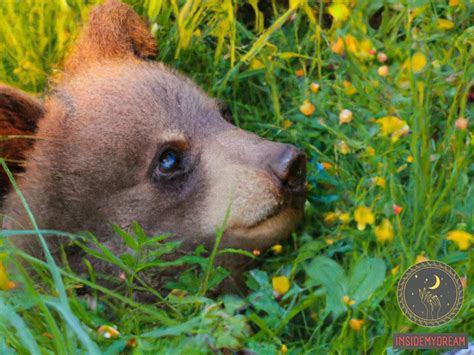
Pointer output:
x,y
430,293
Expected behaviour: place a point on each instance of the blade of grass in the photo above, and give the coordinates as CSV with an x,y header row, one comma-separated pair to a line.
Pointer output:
x,y
91,347
22,329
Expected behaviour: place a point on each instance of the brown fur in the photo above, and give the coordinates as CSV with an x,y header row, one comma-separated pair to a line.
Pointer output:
x,y
105,126
114,31
19,114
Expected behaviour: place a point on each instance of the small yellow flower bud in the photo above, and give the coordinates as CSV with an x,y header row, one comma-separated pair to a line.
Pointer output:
x,y
461,123
356,324
382,57
307,108
345,116
277,249
314,87
383,70
299,72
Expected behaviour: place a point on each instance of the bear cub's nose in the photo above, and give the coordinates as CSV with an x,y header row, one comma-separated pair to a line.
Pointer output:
x,y
290,167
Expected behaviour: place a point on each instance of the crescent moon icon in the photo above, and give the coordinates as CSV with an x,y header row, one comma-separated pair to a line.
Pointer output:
x,y
436,284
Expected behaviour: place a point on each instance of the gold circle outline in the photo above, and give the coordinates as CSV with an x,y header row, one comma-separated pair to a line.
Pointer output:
x,y
438,265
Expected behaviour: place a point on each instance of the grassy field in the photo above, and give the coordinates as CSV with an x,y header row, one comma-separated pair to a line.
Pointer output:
x,y
378,95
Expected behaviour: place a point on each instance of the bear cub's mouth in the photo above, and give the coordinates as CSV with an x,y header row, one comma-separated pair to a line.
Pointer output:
x,y
292,205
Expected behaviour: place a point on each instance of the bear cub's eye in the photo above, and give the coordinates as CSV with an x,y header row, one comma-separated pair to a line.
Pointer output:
x,y
172,162
168,161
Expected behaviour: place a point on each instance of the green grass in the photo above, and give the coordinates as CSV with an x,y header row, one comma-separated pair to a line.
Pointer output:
x,y
252,65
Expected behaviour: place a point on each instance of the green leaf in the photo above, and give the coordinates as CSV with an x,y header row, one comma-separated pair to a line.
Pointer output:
x,y
116,347
155,240
128,259
331,276
127,238
139,233
261,277
366,277
237,251
217,276
177,330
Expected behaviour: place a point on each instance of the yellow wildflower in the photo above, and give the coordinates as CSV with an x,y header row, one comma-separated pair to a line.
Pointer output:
x,y
351,43
366,49
307,108
384,231
281,284
356,324
277,249
370,151
462,239
339,12
284,348
349,88
379,181
329,241
400,133
348,301
418,62
5,282
256,64
444,24
345,218
363,215
338,46
453,3
343,147
410,159
420,258
363,49
391,125
287,124
330,217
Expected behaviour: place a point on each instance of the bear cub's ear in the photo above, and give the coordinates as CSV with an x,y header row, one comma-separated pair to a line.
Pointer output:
x,y
19,115
18,110
114,31
225,111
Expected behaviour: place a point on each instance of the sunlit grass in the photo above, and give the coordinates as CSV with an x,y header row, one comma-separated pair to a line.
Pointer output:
x,y
389,182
